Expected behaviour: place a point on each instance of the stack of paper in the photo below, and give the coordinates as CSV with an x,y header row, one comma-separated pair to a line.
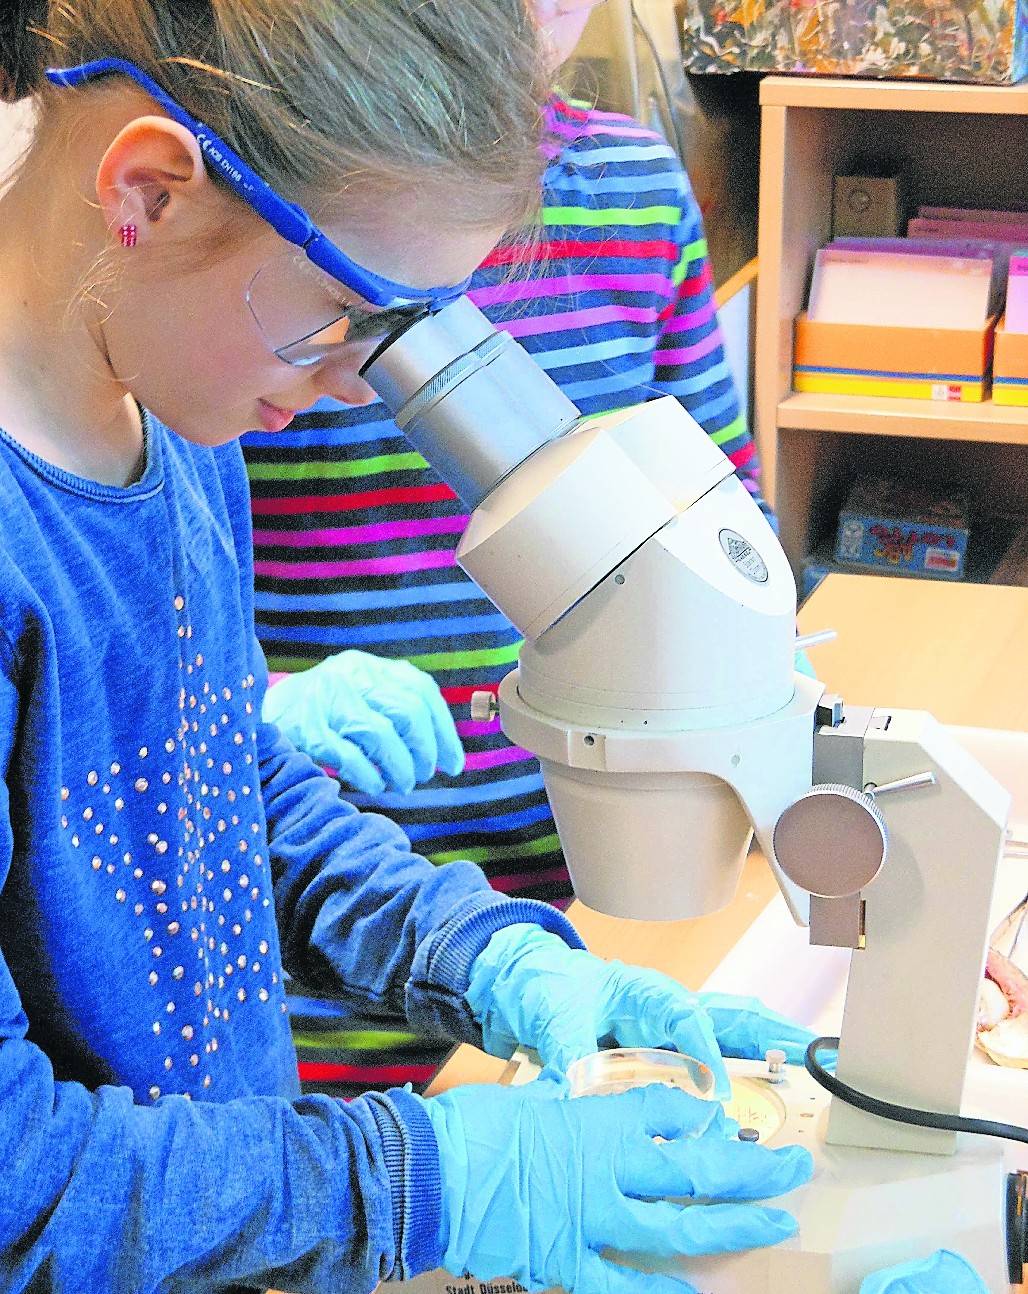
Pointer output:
x,y
1017,293
970,215
962,248
1003,232
907,289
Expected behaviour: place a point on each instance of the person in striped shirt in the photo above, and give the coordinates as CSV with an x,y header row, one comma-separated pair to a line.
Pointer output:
x,y
355,535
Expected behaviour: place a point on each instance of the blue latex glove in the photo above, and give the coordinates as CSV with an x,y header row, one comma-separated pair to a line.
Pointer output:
x,y
745,1027
529,988
381,724
802,665
943,1273
535,1186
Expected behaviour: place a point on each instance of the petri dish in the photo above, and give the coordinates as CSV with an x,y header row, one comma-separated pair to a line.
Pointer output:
x,y
619,1070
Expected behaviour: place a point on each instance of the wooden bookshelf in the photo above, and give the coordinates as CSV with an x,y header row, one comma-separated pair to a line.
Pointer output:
x,y
960,142
877,416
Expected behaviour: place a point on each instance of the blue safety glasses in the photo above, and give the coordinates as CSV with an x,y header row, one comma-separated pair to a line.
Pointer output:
x,y
343,325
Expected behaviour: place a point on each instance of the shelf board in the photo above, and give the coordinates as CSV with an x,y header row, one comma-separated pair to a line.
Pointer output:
x,y
892,96
879,416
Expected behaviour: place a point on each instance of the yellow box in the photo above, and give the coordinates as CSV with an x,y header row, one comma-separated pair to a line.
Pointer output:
x,y
1010,367
947,364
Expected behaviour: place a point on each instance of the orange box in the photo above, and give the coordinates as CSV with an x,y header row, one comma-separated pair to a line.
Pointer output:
x,y
912,363
1010,367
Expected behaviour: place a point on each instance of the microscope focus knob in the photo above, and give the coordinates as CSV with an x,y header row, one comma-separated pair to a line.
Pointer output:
x,y
832,841
483,706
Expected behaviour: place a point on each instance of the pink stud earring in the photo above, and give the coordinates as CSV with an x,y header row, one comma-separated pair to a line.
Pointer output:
x,y
128,235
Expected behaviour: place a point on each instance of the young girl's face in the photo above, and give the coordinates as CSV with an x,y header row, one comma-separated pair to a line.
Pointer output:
x,y
197,345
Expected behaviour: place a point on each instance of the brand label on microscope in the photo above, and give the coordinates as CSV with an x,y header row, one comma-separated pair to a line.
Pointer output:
x,y
743,556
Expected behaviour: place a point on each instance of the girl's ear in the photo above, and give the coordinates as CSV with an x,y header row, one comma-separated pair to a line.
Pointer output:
x,y
149,174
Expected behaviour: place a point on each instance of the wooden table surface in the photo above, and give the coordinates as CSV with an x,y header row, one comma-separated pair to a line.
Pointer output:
x,y
957,650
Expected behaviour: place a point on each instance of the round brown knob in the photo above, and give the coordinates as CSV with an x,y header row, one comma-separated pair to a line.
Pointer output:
x,y
832,842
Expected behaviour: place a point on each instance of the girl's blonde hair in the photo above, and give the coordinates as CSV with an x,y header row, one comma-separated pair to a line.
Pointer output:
x,y
374,97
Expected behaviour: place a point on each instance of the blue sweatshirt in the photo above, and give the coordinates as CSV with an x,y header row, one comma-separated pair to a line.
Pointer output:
x,y
163,854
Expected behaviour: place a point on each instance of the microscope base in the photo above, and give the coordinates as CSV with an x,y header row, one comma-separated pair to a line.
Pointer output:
x,y
864,1209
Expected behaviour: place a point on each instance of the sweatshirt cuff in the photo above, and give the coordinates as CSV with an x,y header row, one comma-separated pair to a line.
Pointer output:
x,y
442,967
411,1157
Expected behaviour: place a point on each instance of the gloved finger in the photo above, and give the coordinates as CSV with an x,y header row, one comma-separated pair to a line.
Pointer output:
x,y
715,1167
375,735
410,716
694,1035
571,1043
550,1083
702,1228
944,1270
667,1016
348,762
597,1276
651,1010
753,1044
450,759
672,1114
662,1230
746,1028
451,752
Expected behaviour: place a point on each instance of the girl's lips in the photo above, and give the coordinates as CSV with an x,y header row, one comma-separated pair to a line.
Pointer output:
x,y
273,418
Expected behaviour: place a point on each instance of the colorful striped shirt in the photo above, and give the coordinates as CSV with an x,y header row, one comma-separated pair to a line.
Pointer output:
x,y
355,535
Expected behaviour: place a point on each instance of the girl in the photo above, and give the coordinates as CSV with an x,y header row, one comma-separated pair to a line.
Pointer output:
x,y
163,852
354,539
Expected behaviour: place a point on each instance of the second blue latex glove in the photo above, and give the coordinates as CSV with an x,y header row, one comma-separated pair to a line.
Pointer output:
x,y
802,665
381,725
529,988
535,1186
746,1028
943,1273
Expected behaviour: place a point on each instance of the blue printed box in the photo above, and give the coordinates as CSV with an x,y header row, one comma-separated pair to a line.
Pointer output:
x,y
904,528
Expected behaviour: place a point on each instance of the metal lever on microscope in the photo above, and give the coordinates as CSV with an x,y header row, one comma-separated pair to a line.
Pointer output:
x,y
803,641
901,784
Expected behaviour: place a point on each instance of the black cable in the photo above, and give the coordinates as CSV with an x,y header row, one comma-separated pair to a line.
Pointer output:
x,y
902,1113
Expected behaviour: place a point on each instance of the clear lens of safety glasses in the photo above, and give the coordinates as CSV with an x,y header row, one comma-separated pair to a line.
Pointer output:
x,y
350,330
303,317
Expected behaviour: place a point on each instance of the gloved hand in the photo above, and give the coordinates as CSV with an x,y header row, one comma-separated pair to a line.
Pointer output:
x,y
382,725
746,1028
943,1273
534,1186
529,988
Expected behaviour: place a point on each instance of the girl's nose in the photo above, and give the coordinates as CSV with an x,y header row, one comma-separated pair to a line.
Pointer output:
x,y
341,380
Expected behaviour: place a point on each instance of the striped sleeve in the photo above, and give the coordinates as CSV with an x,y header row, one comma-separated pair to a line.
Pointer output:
x,y
690,361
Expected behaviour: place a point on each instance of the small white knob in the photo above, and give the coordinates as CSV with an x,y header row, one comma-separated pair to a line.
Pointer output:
x,y
483,706
775,1064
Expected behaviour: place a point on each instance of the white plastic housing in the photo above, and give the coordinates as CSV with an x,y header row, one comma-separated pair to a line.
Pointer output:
x,y
654,824
927,924
656,684
559,523
676,636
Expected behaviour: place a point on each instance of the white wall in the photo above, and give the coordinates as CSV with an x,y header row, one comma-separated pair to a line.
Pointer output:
x,y
734,317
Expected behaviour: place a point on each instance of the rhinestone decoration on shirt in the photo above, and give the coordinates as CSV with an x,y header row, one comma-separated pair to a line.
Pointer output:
x,y
201,877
